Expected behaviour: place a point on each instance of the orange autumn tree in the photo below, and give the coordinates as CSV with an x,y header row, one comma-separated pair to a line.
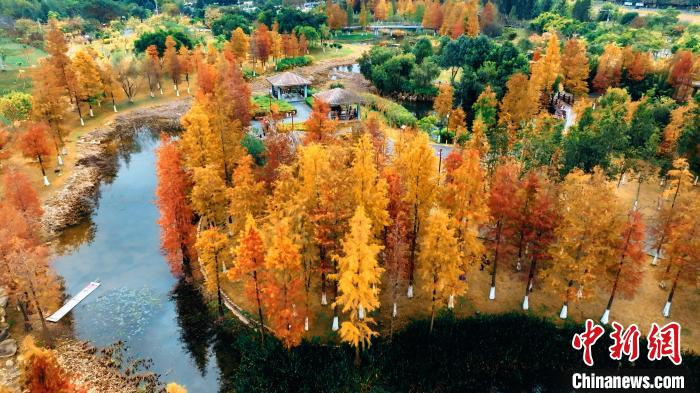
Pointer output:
x,y
34,144
626,272
41,372
587,236
443,101
19,194
574,67
171,63
368,188
396,235
249,267
609,69
176,217
502,193
284,287
239,44
463,196
517,105
247,196
152,69
319,128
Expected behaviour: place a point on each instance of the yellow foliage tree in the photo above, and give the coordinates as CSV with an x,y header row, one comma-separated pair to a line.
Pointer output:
x,y
239,44
213,250
587,235
439,262
359,277
208,195
247,195
574,67
417,167
368,188
443,101
198,144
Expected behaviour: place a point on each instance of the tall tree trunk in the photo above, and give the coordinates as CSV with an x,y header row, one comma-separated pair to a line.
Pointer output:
x,y
260,311
529,284
411,262
667,308
218,287
492,291
45,329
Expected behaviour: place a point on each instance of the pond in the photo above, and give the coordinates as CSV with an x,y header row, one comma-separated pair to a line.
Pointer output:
x,y
139,301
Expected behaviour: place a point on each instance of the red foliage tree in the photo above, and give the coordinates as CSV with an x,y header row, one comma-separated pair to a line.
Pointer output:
x,y
34,143
21,196
177,231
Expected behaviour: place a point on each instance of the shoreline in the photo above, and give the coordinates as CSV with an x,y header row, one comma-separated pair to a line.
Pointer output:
x,y
96,154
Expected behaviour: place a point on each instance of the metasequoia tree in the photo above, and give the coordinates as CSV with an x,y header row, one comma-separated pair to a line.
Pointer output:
x,y
319,127
48,100
502,193
552,63
395,238
152,69
517,104
247,195
262,43
199,144
609,69
471,11
486,107
574,67
171,63
626,272
126,73
56,46
535,217
464,197
368,188
239,44
439,262
249,267
331,214
34,144
19,194
443,101
110,86
683,251
284,287
457,123
358,279
176,217
588,234
213,249
417,166
89,82
679,189
208,197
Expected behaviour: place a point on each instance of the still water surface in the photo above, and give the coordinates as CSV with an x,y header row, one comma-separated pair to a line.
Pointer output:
x,y
139,302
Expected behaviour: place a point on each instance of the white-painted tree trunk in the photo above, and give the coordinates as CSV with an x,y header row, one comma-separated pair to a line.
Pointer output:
x,y
335,326
492,293
564,312
306,324
409,293
667,310
361,312
92,114
394,311
451,301
526,303
188,90
655,261
606,317
634,207
695,182
115,108
59,159
177,93
161,91
152,95
82,122
324,300
223,267
46,181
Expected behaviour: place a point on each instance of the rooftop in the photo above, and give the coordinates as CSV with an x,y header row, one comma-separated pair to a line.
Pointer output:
x,y
287,79
339,96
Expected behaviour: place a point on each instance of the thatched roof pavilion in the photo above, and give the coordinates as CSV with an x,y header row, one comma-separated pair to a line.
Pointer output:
x,y
288,85
344,103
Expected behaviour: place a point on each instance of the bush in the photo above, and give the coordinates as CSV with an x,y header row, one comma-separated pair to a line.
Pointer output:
x,y
395,114
15,106
628,17
336,85
292,62
158,37
263,102
255,148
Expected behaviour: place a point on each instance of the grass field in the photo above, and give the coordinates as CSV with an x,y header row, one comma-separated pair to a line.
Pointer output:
x,y
17,58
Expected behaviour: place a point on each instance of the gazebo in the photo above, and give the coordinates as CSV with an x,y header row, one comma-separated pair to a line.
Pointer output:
x,y
288,86
345,104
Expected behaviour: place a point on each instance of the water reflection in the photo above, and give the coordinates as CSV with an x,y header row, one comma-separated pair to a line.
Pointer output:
x,y
139,301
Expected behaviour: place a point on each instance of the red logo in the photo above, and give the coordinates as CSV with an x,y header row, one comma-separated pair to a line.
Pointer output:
x,y
625,342
665,342
586,340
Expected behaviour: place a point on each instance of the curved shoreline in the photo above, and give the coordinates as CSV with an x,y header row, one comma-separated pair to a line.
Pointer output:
x,y
96,153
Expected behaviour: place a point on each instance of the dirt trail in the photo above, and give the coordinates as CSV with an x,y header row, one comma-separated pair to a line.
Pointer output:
x,y
317,73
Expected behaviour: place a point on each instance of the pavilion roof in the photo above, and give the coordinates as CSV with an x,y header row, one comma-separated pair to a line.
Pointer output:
x,y
339,96
286,79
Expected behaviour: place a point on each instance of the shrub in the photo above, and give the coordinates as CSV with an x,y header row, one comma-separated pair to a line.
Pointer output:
x,y
292,62
396,115
15,106
628,17
158,37
336,85
262,105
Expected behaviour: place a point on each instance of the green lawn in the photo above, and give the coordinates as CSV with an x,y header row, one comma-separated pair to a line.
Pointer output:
x,y
16,57
263,102
330,53
355,37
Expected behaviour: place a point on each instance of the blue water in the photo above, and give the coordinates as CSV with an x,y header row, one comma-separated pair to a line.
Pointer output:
x,y
137,302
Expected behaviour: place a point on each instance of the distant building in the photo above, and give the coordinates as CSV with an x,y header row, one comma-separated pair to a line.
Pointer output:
x,y
288,86
344,103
